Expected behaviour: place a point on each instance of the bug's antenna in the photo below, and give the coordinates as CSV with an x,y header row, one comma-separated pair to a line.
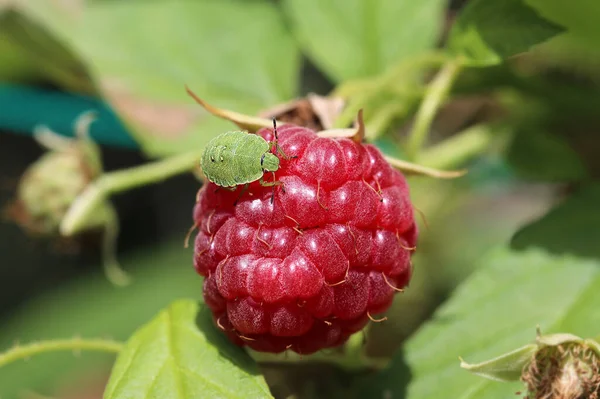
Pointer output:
x,y
275,128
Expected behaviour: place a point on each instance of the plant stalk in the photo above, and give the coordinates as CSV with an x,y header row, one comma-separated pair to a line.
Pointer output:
x,y
435,94
458,149
115,182
75,344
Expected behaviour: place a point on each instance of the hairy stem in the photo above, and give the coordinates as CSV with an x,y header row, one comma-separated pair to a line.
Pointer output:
x,y
111,183
19,352
435,94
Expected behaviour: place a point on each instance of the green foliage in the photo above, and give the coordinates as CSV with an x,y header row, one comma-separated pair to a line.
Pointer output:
x,y
351,39
180,354
572,227
237,55
94,308
487,32
492,312
32,52
245,56
544,156
580,17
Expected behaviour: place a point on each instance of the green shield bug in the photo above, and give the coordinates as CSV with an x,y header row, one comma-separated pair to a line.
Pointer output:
x,y
239,158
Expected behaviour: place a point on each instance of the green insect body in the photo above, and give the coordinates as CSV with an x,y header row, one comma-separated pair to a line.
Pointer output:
x,y
235,158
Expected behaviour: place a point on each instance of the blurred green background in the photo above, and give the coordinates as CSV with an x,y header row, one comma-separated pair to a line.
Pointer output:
x,y
130,60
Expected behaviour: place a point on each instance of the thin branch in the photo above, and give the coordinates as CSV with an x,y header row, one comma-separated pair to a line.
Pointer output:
x,y
83,207
414,169
461,147
435,94
19,352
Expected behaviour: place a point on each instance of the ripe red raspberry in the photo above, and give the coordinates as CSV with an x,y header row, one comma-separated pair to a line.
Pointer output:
x,y
308,270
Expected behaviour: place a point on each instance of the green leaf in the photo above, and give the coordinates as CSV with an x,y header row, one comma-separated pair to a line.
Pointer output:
x,y
572,227
543,156
580,17
236,55
90,308
492,312
350,39
180,354
32,52
487,32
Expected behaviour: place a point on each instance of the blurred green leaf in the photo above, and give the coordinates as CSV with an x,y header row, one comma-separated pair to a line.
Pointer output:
x,y
93,308
236,55
543,156
13,64
180,354
35,53
487,32
350,39
141,54
580,17
569,53
492,312
572,227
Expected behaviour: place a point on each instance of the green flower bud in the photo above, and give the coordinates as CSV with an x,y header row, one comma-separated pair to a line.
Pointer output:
x,y
50,185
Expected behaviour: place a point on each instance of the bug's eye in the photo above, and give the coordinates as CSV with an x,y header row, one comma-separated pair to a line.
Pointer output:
x,y
212,159
222,159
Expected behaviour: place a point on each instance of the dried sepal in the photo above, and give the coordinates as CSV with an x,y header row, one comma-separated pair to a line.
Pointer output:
x,y
409,168
326,108
313,111
506,367
51,140
250,123
356,134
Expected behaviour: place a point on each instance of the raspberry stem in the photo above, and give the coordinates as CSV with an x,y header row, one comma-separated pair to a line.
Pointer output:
x,y
75,344
435,94
352,358
459,148
362,93
84,206
411,168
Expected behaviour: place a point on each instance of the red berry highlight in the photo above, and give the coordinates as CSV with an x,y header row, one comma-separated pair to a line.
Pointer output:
x,y
310,268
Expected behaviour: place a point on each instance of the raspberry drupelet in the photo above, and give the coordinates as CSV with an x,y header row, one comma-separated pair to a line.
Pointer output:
x,y
307,266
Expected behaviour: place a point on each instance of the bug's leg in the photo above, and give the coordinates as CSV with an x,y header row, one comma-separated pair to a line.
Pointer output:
x,y
226,188
272,184
242,191
283,154
275,145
